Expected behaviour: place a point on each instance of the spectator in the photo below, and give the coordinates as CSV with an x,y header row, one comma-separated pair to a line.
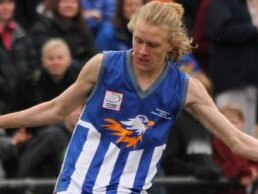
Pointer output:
x,y
63,19
97,12
9,149
115,35
44,155
233,56
17,57
234,167
57,74
189,150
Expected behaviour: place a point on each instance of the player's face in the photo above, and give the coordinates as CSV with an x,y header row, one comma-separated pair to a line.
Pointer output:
x,y
150,47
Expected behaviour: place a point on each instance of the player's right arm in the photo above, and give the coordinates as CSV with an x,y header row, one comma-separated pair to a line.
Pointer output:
x,y
57,109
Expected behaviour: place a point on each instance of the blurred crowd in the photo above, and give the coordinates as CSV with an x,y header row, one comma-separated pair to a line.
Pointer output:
x,y
45,43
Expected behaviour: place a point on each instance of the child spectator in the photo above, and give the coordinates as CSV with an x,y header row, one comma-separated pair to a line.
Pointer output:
x,y
57,74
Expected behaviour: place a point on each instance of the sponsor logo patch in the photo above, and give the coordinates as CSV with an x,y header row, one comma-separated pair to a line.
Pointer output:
x,y
112,100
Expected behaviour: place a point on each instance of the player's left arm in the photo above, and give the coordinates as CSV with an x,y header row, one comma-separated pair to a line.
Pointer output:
x,y
201,105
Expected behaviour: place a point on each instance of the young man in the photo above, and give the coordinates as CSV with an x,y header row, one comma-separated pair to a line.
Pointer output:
x,y
133,98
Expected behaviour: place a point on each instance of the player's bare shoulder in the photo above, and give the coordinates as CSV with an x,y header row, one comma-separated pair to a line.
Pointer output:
x,y
91,69
196,92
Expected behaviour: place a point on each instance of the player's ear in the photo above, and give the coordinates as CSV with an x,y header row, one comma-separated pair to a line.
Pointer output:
x,y
169,47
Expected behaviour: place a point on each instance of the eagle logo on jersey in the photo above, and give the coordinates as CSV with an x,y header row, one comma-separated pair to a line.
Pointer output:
x,y
131,131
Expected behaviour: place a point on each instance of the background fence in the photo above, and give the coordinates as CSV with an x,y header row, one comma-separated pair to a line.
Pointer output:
x,y
161,184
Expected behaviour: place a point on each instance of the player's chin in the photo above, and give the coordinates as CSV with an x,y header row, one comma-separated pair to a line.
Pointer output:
x,y
143,66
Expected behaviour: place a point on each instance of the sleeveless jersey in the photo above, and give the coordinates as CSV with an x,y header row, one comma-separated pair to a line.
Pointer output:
x,y
122,132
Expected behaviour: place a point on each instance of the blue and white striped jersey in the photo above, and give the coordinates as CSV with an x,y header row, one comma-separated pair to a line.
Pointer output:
x,y
120,137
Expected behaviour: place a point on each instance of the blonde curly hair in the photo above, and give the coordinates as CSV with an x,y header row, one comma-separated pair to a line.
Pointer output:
x,y
167,15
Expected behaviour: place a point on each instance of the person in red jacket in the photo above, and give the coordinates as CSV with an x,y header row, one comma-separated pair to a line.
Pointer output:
x,y
234,167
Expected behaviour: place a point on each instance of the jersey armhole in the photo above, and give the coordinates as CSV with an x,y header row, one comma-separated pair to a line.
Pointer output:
x,y
101,72
184,91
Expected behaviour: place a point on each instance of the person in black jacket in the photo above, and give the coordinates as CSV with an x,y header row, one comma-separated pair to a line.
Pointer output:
x,y
10,149
234,56
44,155
63,19
17,56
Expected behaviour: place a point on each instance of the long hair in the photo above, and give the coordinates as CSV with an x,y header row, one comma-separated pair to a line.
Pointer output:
x,y
119,19
167,15
51,6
